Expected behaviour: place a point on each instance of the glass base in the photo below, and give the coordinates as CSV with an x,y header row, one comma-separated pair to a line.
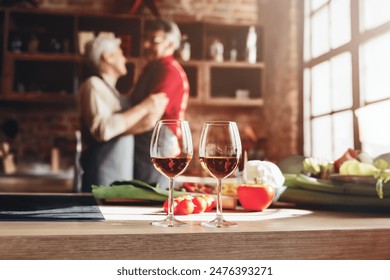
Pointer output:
x,y
219,222
170,222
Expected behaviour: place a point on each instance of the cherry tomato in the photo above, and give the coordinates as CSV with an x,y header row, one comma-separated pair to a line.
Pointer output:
x,y
210,202
193,187
189,187
185,207
200,204
255,197
176,201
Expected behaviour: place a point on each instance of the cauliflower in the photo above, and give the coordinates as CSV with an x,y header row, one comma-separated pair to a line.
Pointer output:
x,y
257,171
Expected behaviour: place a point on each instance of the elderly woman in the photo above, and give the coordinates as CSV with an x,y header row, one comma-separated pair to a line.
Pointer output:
x,y
107,121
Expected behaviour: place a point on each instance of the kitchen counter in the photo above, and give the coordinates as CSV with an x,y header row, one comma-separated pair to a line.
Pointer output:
x,y
276,233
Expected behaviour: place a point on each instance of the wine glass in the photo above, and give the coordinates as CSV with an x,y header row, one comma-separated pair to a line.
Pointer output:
x,y
171,151
219,152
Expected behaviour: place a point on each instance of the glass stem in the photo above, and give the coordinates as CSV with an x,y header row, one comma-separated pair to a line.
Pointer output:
x,y
170,200
219,199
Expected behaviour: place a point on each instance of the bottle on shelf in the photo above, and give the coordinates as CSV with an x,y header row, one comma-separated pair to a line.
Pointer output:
x,y
33,44
233,52
251,45
55,45
185,52
16,44
216,51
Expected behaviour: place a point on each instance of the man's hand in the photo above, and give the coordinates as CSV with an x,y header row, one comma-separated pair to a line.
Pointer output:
x,y
156,103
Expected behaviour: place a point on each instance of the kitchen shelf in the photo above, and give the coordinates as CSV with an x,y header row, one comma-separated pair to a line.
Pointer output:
x,y
43,72
45,57
38,97
226,101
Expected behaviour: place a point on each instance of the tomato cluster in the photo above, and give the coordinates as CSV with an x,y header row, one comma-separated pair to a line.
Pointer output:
x,y
185,205
197,188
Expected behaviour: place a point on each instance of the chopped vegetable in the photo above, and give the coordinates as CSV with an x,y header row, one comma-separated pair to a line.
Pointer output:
x,y
354,167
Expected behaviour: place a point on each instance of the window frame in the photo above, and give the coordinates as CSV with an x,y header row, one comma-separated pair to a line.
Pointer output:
x,y
358,38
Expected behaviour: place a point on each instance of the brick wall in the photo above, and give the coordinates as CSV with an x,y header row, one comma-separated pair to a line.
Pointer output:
x,y
218,10
41,128
282,83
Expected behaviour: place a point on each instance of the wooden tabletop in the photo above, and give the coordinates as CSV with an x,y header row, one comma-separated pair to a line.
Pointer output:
x,y
276,233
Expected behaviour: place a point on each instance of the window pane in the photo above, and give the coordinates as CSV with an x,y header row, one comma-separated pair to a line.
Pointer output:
x,y
320,32
315,4
306,108
340,22
321,101
373,122
374,13
306,48
322,135
342,133
375,68
341,81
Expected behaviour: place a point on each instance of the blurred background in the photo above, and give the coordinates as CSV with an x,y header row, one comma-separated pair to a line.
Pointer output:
x,y
319,84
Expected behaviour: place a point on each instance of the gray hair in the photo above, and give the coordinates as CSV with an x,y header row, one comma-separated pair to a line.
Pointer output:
x,y
95,48
170,28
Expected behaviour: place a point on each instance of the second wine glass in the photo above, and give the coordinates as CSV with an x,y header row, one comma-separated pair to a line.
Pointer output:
x,y
219,153
171,151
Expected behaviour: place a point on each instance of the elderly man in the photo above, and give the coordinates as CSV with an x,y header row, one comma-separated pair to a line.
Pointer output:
x,y
107,122
162,74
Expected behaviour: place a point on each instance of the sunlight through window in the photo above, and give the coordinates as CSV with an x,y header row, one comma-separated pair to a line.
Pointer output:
x,y
346,71
340,23
341,81
374,13
342,133
375,68
320,33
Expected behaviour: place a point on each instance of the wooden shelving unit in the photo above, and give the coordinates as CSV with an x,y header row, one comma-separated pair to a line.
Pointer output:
x,y
53,69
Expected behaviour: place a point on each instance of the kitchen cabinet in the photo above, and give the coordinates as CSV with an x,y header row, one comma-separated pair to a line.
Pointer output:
x,y
41,56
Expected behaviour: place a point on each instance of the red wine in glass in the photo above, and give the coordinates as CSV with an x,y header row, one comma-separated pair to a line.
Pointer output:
x,y
171,166
219,167
219,153
171,151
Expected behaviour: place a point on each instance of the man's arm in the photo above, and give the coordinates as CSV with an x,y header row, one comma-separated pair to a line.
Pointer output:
x,y
155,105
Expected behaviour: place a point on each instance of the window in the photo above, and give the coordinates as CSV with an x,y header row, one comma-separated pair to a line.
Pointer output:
x,y
346,76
